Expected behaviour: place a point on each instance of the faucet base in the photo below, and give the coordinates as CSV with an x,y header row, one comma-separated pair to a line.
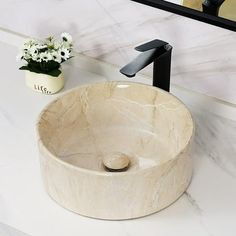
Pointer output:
x,y
162,69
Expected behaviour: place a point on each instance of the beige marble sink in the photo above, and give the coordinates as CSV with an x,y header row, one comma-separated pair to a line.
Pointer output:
x,y
148,128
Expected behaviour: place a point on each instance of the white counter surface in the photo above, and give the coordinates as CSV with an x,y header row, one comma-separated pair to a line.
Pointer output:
x,y
208,208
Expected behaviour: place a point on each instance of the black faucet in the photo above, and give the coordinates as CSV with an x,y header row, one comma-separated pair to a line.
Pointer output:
x,y
158,52
212,7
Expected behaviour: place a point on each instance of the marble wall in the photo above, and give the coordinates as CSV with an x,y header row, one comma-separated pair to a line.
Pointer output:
x,y
204,58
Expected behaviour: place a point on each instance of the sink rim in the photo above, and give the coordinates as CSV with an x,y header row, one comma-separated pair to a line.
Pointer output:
x,y
95,172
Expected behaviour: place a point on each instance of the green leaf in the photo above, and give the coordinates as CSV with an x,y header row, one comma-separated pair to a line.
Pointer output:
x,y
52,65
36,70
24,68
54,73
49,68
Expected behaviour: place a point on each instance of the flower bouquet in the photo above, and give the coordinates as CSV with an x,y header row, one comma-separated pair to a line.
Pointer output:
x,y
43,62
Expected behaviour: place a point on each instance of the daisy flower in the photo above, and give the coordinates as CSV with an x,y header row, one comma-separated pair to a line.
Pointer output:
x,y
45,56
33,50
64,53
42,47
66,38
26,55
28,44
37,57
56,57
25,47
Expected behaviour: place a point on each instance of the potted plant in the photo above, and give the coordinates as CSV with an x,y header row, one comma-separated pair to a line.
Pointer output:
x,y
43,62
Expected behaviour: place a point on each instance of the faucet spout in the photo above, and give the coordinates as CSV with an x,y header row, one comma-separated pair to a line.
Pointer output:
x,y
158,52
141,61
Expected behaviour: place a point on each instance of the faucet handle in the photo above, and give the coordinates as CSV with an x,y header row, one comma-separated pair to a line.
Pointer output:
x,y
154,44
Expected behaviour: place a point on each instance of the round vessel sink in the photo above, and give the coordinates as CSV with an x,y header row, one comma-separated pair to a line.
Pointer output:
x,y
115,150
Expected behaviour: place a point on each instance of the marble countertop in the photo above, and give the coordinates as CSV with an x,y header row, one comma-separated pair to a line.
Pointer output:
x,y
207,208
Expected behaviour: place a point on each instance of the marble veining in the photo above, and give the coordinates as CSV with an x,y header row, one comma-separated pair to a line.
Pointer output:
x,y
85,129
193,203
221,155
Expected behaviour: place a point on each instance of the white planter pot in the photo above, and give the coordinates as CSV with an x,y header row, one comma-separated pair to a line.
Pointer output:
x,y
42,83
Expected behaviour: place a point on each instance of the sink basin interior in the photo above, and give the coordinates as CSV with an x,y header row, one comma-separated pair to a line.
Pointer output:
x,y
147,124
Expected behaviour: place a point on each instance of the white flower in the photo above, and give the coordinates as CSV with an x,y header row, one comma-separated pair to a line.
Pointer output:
x,y
25,47
64,53
37,57
33,51
42,46
56,57
28,44
45,56
66,38
26,55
